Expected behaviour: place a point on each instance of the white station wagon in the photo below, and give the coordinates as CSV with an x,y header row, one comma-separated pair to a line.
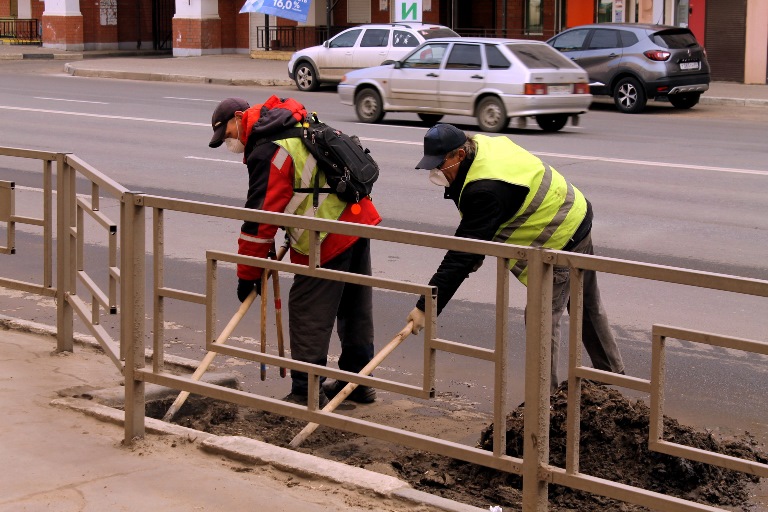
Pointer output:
x,y
358,47
491,79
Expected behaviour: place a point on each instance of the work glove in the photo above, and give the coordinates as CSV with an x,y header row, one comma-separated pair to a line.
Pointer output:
x,y
417,317
244,288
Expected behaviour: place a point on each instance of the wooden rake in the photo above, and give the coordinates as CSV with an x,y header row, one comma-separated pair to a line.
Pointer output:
x,y
233,322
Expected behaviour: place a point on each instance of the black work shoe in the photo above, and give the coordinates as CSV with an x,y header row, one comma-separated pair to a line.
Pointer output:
x,y
361,394
296,398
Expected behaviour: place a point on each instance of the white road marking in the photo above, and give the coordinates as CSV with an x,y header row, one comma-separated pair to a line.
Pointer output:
x,y
103,116
215,160
419,143
188,99
73,101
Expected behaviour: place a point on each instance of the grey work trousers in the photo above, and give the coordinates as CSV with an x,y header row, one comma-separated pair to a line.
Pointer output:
x,y
596,334
315,304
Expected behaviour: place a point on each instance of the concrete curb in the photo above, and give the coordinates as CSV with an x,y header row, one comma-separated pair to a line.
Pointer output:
x,y
88,341
166,77
251,451
737,102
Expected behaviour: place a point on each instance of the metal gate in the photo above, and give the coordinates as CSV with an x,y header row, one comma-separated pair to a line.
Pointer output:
x,y
162,23
725,38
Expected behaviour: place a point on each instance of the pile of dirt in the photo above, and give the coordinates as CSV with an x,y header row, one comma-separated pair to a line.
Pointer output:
x,y
614,446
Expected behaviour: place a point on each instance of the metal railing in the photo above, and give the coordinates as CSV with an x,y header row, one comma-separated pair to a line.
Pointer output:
x,y
292,38
20,31
128,272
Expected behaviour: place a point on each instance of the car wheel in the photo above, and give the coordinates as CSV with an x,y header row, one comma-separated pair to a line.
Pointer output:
x,y
430,119
368,106
629,96
685,100
552,122
305,77
491,115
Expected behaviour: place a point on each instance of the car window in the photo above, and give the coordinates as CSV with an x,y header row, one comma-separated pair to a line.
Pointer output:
x,y
496,60
602,39
464,56
675,39
428,56
403,39
375,37
540,56
431,33
628,38
345,39
572,40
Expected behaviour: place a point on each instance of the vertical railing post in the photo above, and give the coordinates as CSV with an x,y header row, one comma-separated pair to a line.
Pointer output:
x,y
47,225
64,311
501,356
538,350
132,272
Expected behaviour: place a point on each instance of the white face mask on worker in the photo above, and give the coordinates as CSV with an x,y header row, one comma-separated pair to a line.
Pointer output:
x,y
234,145
437,177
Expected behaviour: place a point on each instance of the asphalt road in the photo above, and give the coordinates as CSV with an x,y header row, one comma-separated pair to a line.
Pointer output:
x,y
685,189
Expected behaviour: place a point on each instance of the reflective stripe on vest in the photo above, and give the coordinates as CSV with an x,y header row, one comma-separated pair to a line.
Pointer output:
x,y
329,205
553,208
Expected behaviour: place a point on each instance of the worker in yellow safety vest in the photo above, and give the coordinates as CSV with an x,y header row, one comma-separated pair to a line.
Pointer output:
x,y
506,194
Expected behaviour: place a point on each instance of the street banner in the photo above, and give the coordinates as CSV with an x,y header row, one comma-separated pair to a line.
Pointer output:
x,y
296,10
408,10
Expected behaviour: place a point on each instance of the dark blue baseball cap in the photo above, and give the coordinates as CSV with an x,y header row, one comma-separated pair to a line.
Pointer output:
x,y
440,140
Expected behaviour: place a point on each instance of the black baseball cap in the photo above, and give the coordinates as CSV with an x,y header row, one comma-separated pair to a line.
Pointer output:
x,y
221,116
440,140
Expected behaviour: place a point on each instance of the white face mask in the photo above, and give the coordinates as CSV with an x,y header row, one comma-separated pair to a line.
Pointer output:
x,y
437,177
234,145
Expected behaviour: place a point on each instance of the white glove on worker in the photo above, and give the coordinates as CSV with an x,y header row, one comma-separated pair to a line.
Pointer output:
x,y
417,317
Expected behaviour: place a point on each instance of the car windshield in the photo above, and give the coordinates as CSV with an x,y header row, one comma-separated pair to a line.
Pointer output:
x,y
431,33
675,39
537,56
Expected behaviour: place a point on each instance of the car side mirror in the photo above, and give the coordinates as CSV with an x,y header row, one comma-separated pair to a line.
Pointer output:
x,y
397,64
327,43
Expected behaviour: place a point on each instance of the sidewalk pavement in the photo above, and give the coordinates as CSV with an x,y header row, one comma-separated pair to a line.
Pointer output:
x,y
61,451
262,68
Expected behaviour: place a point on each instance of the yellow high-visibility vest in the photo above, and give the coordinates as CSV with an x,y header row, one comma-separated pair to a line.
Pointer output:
x,y
553,208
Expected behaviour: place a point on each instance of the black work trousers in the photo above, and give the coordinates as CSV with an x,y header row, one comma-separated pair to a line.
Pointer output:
x,y
315,304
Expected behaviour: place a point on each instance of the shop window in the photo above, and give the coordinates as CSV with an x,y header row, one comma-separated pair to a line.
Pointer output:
x,y
534,15
604,9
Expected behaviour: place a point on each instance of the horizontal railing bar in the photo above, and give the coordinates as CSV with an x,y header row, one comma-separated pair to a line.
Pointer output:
x,y
613,379
463,349
29,153
109,346
355,425
708,457
89,172
333,275
27,220
291,364
92,287
747,345
650,271
97,215
623,492
173,293
24,286
415,238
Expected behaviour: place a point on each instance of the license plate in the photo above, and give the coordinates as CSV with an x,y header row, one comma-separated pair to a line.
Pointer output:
x,y
689,65
559,89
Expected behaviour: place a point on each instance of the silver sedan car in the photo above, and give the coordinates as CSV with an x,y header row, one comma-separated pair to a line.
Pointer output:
x,y
491,79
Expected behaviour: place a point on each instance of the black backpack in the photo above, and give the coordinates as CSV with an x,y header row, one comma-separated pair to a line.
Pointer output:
x,y
350,170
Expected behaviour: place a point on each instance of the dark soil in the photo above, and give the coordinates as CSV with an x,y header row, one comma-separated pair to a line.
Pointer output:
x,y
614,446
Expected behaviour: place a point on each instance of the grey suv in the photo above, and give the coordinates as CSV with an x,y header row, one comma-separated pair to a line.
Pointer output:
x,y
635,62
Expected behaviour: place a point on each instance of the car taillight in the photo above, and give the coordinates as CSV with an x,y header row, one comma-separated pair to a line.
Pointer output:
x,y
535,89
580,88
657,55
